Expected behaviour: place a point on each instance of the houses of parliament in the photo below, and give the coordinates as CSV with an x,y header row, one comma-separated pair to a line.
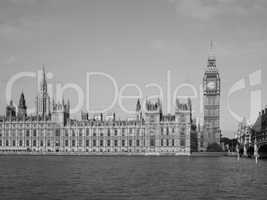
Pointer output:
x,y
151,132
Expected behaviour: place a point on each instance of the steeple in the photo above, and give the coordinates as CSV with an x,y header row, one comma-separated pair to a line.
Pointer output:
x,y
22,101
22,108
43,82
138,105
211,58
43,99
10,111
138,110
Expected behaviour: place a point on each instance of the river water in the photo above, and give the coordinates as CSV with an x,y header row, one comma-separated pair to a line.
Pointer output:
x,y
81,177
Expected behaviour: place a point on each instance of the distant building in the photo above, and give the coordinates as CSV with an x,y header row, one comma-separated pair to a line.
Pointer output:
x,y
194,136
244,132
244,136
259,129
260,126
250,134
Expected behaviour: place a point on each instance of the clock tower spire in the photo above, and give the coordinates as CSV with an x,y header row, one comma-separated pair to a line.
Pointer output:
x,y
211,100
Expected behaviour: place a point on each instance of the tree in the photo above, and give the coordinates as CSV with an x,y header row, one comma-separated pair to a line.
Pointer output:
x,y
214,147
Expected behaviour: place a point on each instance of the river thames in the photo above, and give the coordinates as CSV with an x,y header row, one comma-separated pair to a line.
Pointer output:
x,y
81,177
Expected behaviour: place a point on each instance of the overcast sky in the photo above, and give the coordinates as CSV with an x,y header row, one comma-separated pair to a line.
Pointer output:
x,y
135,42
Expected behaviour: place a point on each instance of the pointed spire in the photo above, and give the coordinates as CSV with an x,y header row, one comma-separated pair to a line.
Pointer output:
x,y
68,104
211,57
43,83
211,51
211,45
22,101
43,68
138,105
43,80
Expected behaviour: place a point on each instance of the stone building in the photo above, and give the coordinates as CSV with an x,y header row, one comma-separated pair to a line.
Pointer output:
x,y
211,102
244,136
52,130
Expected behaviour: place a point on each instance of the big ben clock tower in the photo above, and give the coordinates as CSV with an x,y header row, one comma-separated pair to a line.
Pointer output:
x,y
211,100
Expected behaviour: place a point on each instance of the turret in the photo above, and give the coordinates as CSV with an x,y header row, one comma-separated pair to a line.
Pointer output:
x,y
60,113
22,108
183,111
43,99
182,117
153,111
138,111
11,111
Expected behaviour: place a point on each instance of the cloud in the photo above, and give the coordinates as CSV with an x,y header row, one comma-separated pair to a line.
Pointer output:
x,y
7,29
157,44
196,9
10,60
20,2
208,9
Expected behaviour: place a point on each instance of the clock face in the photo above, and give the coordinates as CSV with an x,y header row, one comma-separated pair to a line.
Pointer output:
x,y
211,85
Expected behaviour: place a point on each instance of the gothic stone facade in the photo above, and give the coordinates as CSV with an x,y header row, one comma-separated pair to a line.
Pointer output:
x,y
211,101
52,130
155,135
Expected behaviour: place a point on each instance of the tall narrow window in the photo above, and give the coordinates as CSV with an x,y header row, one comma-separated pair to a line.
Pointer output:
x,y
152,142
182,142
